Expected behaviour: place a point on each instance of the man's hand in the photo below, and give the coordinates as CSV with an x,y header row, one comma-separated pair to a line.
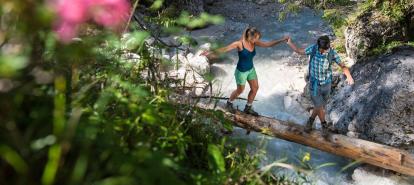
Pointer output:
x,y
289,41
350,80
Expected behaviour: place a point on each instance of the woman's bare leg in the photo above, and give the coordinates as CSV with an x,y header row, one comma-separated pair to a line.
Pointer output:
x,y
254,87
236,93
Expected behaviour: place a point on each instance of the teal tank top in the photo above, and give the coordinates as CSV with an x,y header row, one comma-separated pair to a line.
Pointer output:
x,y
245,62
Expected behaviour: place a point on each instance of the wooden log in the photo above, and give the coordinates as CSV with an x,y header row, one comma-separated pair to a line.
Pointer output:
x,y
372,153
218,97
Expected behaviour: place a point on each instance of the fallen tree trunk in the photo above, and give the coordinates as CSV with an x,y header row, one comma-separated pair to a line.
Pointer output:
x,y
365,151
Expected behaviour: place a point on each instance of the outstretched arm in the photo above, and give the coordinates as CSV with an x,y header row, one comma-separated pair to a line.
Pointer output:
x,y
271,43
296,49
347,73
214,54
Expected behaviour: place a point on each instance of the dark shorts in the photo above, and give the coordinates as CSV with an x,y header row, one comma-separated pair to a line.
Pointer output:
x,y
320,97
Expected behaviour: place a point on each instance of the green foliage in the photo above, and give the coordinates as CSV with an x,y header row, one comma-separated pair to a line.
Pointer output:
x,y
394,11
216,158
289,8
388,47
11,64
196,22
84,113
157,4
334,17
134,40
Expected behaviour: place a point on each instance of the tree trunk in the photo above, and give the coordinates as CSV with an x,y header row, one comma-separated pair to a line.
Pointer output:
x,y
365,151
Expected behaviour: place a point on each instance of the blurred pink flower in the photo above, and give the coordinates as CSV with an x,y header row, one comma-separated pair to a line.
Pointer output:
x,y
66,31
72,13
110,13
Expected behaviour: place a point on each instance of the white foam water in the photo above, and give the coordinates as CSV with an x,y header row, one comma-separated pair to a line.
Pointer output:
x,y
279,73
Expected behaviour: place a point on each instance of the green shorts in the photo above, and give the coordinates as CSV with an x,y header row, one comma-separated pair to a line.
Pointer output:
x,y
242,77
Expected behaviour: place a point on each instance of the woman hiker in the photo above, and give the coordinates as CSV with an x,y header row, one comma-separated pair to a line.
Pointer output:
x,y
320,77
245,70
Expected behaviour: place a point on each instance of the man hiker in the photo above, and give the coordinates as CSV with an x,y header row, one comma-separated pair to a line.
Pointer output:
x,y
320,77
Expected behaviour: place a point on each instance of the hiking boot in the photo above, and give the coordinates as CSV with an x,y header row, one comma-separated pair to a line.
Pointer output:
x,y
332,128
249,110
230,108
325,129
309,125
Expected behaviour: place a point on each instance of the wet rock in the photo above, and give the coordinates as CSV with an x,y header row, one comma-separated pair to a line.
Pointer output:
x,y
370,30
209,2
372,175
379,106
195,7
263,2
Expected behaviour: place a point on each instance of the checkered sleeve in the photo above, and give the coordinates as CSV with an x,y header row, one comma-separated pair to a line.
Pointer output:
x,y
336,57
308,50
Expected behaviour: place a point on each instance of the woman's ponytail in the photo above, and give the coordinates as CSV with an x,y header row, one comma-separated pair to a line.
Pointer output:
x,y
250,32
245,33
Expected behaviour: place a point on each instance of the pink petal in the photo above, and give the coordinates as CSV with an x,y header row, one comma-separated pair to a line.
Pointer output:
x,y
110,13
74,11
66,32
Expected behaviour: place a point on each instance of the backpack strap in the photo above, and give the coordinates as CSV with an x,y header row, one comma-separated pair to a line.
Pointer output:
x,y
313,81
312,55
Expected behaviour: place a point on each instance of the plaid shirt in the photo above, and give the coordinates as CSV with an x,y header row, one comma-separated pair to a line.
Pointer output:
x,y
320,68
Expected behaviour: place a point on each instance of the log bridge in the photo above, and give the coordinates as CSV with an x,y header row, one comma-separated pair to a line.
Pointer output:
x,y
364,151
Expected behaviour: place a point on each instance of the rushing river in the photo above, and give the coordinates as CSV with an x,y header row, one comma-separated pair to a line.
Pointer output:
x,y
279,72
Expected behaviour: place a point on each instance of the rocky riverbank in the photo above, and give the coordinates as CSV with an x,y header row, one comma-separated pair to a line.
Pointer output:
x,y
379,106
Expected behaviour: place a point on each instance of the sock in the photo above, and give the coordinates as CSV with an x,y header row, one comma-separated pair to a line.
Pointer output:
x,y
228,101
249,104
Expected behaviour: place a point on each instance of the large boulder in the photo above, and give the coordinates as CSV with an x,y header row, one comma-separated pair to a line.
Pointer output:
x,y
380,105
370,30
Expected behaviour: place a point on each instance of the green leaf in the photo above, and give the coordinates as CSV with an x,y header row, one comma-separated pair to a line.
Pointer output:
x,y
324,165
187,40
157,4
135,39
349,165
79,169
10,64
228,125
51,168
122,180
13,158
216,158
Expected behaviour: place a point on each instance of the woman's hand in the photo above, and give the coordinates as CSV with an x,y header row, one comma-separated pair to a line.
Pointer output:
x,y
210,55
286,38
205,53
